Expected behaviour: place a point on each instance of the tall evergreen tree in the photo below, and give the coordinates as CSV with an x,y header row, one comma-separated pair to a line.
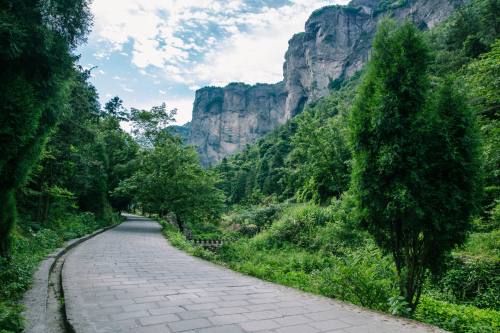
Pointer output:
x,y
36,39
415,169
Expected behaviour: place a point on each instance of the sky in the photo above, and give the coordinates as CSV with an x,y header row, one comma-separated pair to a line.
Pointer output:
x,y
154,51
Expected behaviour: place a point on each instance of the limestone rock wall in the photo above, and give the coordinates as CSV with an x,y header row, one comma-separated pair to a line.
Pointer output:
x,y
226,119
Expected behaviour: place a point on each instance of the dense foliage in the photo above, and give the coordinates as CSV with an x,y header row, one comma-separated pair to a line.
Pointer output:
x,y
68,192
316,249
61,156
36,40
170,180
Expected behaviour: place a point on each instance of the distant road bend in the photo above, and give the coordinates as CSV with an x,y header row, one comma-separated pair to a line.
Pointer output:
x,y
129,279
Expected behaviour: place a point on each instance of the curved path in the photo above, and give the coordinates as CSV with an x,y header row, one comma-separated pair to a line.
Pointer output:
x,y
129,279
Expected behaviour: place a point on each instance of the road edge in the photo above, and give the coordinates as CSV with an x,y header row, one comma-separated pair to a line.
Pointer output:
x,y
35,299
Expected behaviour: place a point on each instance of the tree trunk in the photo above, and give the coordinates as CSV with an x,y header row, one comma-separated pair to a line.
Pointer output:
x,y
7,219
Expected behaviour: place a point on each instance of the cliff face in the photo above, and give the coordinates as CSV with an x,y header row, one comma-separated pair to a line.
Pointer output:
x,y
334,46
226,119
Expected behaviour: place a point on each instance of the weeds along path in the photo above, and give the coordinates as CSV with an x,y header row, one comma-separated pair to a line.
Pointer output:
x,y
129,279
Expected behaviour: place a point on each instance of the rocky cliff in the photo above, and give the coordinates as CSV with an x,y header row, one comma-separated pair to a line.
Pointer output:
x,y
334,46
226,119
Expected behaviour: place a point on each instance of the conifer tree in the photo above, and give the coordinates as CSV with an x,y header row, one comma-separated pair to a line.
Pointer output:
x,y
415,161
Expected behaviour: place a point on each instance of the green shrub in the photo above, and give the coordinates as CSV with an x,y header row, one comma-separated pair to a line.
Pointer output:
x,y
10,318
177,239
483,245
341,234
457,318
364,277
471,280
27,251
298,225
320,250
254,219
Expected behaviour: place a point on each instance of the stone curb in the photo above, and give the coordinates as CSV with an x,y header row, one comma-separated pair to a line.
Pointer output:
x,y
35,299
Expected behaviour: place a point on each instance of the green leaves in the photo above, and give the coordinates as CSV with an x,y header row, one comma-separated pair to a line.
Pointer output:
x,y
149,125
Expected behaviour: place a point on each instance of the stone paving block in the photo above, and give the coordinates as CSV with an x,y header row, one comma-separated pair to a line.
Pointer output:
x,y
149,299
168,304
151,329
207,299
231,310
115,326
190,324
293,311
137,307
202,306
331,324
259,325
261,307
152,320
228,319
297,329
292,320
222,329
196,314
323,315
165,310
117,302
259,315
129,315
224,304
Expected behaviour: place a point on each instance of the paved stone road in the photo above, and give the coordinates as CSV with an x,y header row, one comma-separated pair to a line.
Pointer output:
x,y
129,279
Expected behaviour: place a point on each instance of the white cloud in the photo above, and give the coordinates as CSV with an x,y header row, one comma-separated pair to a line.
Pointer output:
x,y
184,106
126,88
146,23
258,55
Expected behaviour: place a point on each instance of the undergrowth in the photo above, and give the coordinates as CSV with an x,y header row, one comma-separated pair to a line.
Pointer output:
x,y
28,249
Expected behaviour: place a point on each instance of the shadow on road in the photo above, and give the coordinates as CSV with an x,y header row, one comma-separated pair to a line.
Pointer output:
x,y
134,224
